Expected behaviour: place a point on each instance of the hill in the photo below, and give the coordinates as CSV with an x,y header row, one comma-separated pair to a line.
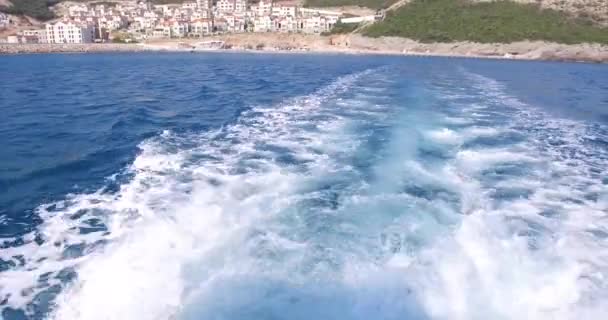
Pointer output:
x,y
38,9
373,4
485,22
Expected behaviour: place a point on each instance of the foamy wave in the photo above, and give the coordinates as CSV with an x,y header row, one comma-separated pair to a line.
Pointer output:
x,y
181,216
529,257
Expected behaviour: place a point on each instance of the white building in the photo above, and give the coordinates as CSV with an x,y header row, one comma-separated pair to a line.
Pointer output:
x,y
225,5
286,24
162,30
262,24
4,20
179,29
69,32
112,22
204,4
201,27
77,9
263,8
240,6
190,5
38,34
12,39
318,24
284,11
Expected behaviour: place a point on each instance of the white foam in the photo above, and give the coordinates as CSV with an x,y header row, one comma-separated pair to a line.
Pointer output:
x,y
180,220
480,160
445,135
508,259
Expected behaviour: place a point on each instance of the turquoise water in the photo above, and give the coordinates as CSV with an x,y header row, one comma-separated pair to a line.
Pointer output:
x,y
235,186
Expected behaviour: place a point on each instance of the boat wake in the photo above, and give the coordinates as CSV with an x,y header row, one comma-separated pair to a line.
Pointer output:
x,y
373,197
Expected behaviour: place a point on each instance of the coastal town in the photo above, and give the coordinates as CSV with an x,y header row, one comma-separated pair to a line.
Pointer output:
x,y
139,21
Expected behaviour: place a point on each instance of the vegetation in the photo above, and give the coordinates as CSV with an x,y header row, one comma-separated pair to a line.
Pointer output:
x,y
38,9
373,4
500,21
340,28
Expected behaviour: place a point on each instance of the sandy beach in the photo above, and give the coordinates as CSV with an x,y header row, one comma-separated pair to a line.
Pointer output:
x,y
342,44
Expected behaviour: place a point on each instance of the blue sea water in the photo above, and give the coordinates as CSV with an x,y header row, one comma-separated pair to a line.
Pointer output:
x,y
247,186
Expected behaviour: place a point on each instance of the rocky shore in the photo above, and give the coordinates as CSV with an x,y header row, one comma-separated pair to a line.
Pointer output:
x,y
351,44
69,48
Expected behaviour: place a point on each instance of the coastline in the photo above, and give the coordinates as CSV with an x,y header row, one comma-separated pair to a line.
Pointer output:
x,y
340,44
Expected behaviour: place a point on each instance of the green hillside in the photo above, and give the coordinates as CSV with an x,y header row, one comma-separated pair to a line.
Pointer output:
x,y
373,4
500,21
33,8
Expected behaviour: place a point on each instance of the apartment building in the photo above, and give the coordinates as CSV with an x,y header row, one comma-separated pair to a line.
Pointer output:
x,y
204,4
201,27
69,32
225,5
263,8
34,35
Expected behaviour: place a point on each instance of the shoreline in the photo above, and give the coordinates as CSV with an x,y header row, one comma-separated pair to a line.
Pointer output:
x,y
339,44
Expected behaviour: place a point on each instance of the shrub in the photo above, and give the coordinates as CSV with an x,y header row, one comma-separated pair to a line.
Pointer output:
x,y
499,21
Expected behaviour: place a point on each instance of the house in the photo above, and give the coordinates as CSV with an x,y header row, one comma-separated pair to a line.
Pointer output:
x,y
201,27
162,30
179,29
285,24
200,14
262,24
318,24
220,25
112,22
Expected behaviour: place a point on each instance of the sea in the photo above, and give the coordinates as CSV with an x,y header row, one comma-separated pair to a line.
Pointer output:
x,y
302,186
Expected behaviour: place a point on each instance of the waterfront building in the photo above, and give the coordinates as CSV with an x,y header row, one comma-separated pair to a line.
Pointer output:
x,y
34,36
69,32
179,29
12,39
286,24
201,27
28,39
262,24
